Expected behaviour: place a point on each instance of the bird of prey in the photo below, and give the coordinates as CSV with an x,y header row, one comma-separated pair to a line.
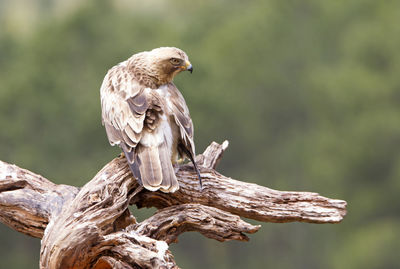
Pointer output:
x,y
146,116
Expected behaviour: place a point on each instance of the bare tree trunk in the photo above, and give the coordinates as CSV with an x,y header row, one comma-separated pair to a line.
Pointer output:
x,y
91,227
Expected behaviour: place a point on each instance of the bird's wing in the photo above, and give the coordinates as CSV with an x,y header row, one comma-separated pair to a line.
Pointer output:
x,y
185,124
182,118
124,103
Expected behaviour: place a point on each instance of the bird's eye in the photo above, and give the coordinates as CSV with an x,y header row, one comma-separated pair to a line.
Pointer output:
x,y
175,61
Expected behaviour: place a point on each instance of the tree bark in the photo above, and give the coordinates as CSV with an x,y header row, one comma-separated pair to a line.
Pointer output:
x,y
91,227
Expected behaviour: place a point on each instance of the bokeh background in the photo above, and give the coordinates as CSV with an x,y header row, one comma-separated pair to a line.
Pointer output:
x,y
306,91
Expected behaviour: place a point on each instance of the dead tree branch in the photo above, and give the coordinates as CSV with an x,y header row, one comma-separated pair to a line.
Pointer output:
x,y
168,223
91,227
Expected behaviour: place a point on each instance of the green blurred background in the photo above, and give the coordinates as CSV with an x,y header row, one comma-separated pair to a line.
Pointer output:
x,y
307,92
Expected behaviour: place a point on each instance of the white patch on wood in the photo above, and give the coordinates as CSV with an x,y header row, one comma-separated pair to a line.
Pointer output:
x,y
225,145
8,172
3,174
48,227
77,215
161,247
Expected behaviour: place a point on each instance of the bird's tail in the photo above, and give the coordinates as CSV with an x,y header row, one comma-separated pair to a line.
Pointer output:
x,y
190,155
155,168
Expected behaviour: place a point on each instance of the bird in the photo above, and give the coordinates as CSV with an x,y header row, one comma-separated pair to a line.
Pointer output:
x,y
145,114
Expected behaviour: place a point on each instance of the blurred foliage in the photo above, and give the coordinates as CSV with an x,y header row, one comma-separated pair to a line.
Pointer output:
x,y
307,92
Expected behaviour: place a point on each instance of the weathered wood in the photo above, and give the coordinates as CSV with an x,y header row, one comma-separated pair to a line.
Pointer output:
x,y
91,227
212,155
27,200
241,198
87,219
246,199
168,223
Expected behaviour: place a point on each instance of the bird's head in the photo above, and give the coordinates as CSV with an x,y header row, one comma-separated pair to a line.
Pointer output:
x,y
167,62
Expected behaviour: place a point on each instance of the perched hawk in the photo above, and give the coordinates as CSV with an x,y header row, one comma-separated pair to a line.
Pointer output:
x,y
145,114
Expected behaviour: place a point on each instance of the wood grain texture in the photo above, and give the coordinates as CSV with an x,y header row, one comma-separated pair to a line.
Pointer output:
x,y
168,223
28,200
91,227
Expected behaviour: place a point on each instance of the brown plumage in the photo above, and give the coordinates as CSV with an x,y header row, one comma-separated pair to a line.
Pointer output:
x,y
145,114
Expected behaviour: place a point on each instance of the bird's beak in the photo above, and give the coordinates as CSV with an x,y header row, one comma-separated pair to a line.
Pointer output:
x,y
189,66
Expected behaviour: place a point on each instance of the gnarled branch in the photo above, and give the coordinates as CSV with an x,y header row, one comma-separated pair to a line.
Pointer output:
x,y
91,227
168,223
